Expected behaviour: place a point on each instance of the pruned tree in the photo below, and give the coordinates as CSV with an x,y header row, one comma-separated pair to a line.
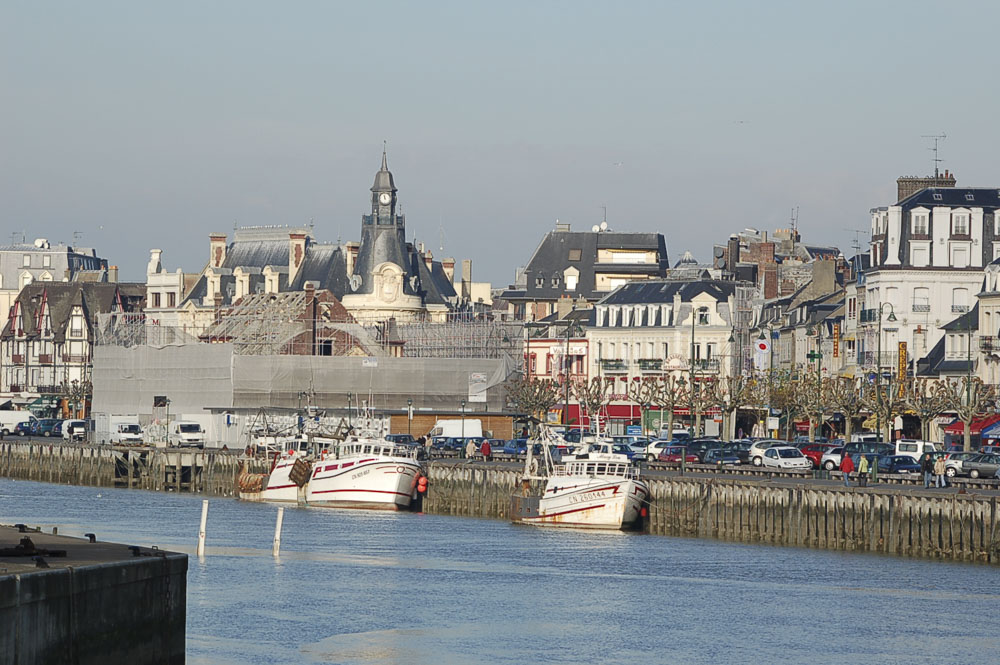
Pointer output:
x,y
844,396
671,392
531,396
783,398
925,399
807,398
731,393
76,393
642,392
885,402
700,395
969,398
593,396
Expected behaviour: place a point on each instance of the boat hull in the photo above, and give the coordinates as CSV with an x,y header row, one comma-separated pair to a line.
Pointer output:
x,y
584,503
383,483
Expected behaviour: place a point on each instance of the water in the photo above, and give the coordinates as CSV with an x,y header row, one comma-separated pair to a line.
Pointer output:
x,y
359,587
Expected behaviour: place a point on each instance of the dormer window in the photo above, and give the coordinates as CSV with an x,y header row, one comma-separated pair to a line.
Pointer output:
x,y
46,260
937,197
970,197
703,316
26,261
960,224
575,254
920,224
555,282
539,282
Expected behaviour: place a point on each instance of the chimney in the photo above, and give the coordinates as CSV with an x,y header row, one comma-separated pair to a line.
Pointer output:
x,y
296,253
824,277
350,256
467,278
311,313
449,269
113,274
153,267
216,249
563,307
429,260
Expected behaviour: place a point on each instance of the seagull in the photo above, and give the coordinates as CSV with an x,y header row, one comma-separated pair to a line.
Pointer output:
x,y
741,122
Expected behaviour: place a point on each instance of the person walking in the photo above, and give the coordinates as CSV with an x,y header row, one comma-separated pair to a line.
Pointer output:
x,y
939,470
846,467
927,466
487,450
470,449
863,471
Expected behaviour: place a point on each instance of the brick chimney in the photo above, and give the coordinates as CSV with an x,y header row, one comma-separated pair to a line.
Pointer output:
x,y
351,256
429,260
216,249
449,268
296,253
113,274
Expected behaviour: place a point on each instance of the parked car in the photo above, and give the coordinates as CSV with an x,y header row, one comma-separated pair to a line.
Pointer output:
x,y
897,464
516,447
953,462
756,452
45,427
915,448
724,456
831,458
984,465
991,448
741,449
654,448
401,439
24,428
785,457
699,446
855,448
674,454
622,449
814,451
74,430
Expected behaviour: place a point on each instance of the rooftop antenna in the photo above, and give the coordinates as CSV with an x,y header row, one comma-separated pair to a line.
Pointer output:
x,y
795,227
856,245
76,236
937,137
605,218
441,235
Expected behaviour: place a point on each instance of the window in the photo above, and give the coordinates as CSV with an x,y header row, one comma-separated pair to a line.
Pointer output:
x,y
575,254
46,260
920,224
919,256
539,282
921,299
171,299
555,282
26,261
959,301
970,197
703,316
852,307
960,256
571,281
937,196
156,300
960,224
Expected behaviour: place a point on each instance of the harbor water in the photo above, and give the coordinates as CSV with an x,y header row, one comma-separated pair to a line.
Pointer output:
x,y
358,587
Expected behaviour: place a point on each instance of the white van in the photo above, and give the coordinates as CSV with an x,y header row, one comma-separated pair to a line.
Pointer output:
x,y
457,427
75,430
9,420
186,434
125,432
915,448
865,437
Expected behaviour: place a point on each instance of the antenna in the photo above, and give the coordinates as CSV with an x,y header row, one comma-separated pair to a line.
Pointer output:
x,y
441,236
856,245
76,236
937,137
605,209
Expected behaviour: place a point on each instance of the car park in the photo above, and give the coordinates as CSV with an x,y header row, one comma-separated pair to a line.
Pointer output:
x,y
984,465
699,446
675,454
756,452
915,448
45,427
784,457
897,464
831,458
741,449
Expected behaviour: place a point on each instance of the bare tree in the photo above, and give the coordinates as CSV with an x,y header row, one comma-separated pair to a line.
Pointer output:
x,y
808,399
926,400
76,393
885,402
730,393
642,392
592,396
701,399
531,396
969,398
843,395
671,392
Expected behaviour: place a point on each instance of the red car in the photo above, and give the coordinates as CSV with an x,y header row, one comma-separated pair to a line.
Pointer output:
x,y
814,451
673,454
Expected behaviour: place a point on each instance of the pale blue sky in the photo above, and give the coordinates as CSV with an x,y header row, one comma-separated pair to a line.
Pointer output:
x,y
150,126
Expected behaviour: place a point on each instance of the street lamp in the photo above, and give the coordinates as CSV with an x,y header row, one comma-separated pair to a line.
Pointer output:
x,y
349,397
878,373
463,419
770,370
692,373
817,355
409,416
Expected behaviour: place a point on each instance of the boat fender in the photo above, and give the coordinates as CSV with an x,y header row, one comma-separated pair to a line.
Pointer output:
x,y
422,485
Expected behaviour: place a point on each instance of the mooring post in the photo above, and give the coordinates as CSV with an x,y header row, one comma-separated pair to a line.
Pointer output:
x,y
277,532
201,531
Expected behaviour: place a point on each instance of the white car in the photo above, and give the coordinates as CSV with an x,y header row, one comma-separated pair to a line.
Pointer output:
x,y
831,458
756,453
654,448
785,457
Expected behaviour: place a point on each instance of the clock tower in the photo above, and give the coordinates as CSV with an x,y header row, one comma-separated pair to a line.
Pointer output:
x,y
381,282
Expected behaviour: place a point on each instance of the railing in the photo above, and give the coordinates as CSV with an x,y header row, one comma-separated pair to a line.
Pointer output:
x,y
613,365
650,365
15,387
959,309
921,307
706,365
989,343
48,390
868,316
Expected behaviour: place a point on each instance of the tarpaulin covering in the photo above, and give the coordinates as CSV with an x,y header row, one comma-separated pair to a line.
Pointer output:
x,y
975,427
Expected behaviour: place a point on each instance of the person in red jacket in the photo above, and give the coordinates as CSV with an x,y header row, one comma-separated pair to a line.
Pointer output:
x,y
487,451
847,467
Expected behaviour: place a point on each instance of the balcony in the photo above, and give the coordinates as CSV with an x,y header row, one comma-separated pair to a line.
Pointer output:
x,y
48,390
44,358
650,365
989,344
614,365
868,316
959,309
73,359
921,307
710,366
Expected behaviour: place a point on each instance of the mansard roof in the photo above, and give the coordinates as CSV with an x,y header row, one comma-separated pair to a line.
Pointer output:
x,y
93,297
956,197
663,291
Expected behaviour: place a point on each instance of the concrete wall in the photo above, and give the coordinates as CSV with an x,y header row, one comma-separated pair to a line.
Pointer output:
x,y
129,613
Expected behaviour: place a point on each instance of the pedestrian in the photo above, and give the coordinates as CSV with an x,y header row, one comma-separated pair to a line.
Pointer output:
x,y
846,467
927,466
487,451
863,471
470,449
939,472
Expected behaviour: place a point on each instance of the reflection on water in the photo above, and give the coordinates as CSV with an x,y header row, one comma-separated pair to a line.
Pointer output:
x,y
359,587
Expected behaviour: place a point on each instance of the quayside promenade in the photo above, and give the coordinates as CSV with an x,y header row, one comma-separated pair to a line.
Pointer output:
x,y
896,516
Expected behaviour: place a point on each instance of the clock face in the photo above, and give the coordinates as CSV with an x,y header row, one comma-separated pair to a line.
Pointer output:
x,y
384,198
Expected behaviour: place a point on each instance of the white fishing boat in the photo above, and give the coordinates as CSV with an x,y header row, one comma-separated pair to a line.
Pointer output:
x,y
593,488
278,484
364,472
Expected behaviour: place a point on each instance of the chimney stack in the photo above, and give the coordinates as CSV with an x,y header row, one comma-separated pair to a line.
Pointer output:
x,y
296,253
113,274
449,269
216,249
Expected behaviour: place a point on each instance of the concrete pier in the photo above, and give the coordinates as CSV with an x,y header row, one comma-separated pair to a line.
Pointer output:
x,y
96,603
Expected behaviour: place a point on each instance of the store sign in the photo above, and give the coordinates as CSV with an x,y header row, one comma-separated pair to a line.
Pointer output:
x,y
902,365
836,340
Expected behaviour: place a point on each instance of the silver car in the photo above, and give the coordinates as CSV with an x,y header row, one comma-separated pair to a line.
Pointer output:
x,y
831,458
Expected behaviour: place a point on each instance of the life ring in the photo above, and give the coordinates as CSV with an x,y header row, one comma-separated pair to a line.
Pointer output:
x,y
533,466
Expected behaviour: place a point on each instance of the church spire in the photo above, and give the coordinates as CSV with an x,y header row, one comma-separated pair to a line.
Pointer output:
x,y
385,165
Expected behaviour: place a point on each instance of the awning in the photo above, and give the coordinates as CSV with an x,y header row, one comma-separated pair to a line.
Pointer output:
x,y
45,402
992,431
975,428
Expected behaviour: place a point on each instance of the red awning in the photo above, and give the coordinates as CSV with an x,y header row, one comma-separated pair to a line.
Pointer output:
x,y
977,426
802,426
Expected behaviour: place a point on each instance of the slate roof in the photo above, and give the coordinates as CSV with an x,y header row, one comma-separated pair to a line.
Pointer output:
x,y
94,297
325,266
663,291
967,321
551,258
982,197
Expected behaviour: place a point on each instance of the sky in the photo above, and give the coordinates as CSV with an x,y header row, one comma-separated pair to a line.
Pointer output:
x,y
126,126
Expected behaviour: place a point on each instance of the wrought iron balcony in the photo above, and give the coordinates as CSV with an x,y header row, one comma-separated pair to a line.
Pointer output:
x,y
989,343
959,309
613,365
650,365
921,307
710,365
48,390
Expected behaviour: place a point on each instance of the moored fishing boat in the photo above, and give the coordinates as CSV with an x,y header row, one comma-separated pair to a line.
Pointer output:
x,y
364,472
593,488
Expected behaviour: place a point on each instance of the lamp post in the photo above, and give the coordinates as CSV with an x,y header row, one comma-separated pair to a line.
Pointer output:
x,y
818,357
463,420
409,416
878,373
692,373
349,397
566,366
770,371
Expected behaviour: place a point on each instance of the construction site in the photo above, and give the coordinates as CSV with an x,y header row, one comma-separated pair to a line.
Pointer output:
x,y
292,352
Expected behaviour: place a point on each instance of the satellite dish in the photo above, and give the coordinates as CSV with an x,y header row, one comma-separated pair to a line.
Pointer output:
x,y
596,228
604,226
719,252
